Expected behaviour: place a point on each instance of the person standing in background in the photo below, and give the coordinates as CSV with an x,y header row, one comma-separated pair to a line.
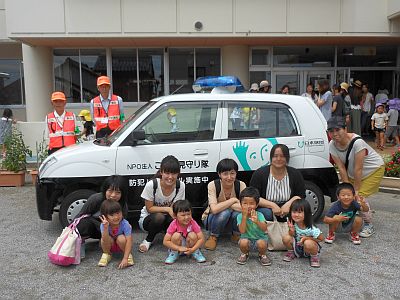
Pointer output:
x,y
310,93
106,109
355,114
265,87
61,127
367,104
325,98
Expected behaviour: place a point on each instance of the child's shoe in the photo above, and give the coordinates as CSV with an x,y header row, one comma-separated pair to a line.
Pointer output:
x,y
314,261
330,238
198,256
355,238
130,260
211,243
235,238
367,230
289,256
242,258
104,260
264,260
172,257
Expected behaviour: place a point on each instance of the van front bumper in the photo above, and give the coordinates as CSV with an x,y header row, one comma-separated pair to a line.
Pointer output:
x,y
46,198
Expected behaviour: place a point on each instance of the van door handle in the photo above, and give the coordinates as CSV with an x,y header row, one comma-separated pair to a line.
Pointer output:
x,y
292,148
200,152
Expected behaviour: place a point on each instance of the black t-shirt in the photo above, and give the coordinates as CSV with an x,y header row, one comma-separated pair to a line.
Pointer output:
x,y
339,107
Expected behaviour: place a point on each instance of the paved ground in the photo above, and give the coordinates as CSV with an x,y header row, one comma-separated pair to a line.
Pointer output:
x,y
368,271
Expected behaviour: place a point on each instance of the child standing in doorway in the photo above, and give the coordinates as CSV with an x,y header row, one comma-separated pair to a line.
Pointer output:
x,y
116,234
303,237
183,235
252,226
379,123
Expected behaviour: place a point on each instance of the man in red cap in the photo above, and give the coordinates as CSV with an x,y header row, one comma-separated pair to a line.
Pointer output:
x,y
106,109
60,124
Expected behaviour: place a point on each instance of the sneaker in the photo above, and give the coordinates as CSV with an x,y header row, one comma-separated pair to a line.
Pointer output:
x,y
130,260
264,260
172,257
355,238
198,256
235,238
104,260
242,259
289,256
330,238
211,243
367,230
314,261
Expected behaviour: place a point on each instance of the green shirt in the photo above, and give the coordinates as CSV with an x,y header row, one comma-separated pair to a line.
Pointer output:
x,y
253,232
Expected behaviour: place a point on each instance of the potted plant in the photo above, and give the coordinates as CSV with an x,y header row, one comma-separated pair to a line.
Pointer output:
x,y
14,162
41,154
391,178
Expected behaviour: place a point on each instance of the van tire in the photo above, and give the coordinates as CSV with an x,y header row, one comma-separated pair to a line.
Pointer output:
x,y
72,205
315,197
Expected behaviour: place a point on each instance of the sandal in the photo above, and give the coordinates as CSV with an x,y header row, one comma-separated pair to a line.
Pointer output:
x,y
144,246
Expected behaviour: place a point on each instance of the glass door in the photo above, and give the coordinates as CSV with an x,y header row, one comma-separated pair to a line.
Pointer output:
x,y
314,76
292,79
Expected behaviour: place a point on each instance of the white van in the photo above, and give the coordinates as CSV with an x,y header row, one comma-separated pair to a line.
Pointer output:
x,y
200,134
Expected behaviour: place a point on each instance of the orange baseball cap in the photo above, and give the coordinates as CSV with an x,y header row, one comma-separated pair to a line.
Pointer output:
x,y
58,96
103,80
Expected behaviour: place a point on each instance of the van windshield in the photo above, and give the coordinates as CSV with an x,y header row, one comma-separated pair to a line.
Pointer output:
x,y
124,126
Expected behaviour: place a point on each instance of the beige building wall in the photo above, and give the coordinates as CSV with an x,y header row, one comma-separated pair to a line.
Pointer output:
x,y
125,18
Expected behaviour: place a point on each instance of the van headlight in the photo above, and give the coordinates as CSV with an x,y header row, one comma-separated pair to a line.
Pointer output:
x,y
46,164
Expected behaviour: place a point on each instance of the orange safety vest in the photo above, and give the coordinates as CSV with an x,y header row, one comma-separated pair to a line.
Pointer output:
x,y
61,135
104,119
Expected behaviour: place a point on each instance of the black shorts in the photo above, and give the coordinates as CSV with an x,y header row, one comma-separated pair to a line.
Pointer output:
x,y
379,129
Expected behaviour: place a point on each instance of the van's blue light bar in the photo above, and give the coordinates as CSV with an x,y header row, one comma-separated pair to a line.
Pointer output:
x,y
218,81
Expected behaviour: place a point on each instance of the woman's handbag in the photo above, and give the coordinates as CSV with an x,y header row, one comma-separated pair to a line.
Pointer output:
x,y
66,250
276,230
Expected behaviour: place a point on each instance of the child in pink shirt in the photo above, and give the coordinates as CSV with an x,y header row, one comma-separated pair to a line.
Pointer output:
x,y
183,235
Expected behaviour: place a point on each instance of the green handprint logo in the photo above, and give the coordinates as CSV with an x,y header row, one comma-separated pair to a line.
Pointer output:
x,y
240,150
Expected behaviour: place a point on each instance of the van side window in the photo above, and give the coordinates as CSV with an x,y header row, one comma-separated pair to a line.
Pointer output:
x,y
180,122
260,119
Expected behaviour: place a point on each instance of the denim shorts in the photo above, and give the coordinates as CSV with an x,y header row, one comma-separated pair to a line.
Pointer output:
x,y
253,243
299,249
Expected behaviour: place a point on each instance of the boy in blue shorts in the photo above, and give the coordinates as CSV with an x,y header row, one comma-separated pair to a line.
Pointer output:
x,y
342,215
252,226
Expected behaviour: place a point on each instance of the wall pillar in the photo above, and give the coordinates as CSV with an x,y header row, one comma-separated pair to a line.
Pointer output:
x,y
38,77
235,61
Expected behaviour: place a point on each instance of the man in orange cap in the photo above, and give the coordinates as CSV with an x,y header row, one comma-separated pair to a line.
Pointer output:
x,y
106,109
60,124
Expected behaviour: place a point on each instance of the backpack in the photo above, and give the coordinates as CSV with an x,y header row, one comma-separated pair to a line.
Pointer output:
x,y
346,106
236,186
67,248
155,185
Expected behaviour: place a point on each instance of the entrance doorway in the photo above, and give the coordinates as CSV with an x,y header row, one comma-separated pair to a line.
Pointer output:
x,y
298,80
377,80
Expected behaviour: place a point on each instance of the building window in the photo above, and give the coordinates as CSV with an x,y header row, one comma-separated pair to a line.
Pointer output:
x,y
259,57
367,56
124,70
11,87
300,56
258,76
151,73
187,64
93,65
73,66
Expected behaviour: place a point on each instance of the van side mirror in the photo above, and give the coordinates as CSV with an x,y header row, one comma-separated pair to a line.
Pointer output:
x,y
138,135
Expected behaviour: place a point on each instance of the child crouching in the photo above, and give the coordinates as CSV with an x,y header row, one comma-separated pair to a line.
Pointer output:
x,y
342,215
184,235
116,234
252,226
303,237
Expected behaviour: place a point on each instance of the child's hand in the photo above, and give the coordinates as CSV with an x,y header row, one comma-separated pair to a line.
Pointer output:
x,y
188,251
303,239
104,221
123,264
290,224
245,210
360,200
183,249
340,218
253,216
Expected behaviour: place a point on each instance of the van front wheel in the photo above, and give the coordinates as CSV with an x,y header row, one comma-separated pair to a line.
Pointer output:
x,y
72,205
315,197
